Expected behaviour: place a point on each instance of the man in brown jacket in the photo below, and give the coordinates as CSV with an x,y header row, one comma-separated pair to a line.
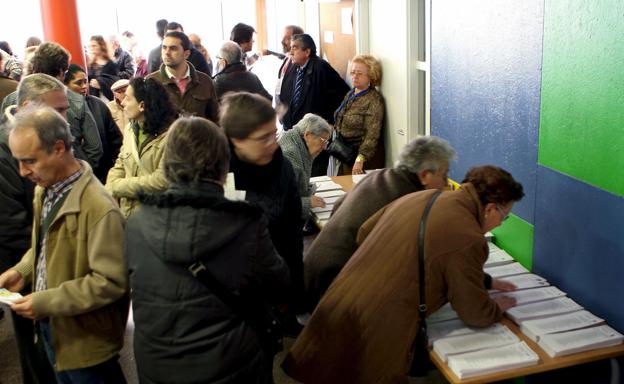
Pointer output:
x,y
192,91
75,262
364,327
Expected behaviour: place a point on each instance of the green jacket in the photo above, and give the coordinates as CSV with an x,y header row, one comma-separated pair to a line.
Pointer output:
x,y
87,296
137,169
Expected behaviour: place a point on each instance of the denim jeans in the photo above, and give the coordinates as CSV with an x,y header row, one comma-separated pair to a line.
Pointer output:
x,y
103,373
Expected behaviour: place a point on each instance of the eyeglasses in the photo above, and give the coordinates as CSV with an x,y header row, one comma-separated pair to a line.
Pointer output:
x,y
324,141
267,139
504,215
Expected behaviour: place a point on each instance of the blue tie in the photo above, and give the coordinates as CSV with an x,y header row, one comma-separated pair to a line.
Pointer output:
x,y
296,100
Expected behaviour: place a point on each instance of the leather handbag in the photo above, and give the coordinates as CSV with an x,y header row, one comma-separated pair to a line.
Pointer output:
x,y
420,361
342,150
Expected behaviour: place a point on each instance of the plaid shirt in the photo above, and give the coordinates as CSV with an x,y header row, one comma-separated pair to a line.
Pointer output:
x,y
53,195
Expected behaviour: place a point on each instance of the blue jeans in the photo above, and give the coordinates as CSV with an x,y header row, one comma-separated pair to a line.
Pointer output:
x,y
103,373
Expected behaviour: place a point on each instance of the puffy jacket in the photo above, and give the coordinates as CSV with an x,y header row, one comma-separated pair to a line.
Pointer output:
x,y
184,332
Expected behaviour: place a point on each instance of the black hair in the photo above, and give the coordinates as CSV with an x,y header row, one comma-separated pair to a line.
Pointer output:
x,y
306,42
173,25
159,111
242,33
71,72
160,27
184,40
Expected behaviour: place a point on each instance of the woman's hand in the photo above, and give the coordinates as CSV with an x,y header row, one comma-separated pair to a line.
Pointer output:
x,y
94,83
358,168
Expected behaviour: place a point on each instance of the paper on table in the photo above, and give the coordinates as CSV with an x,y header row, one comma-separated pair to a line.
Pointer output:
x,y
567,343
448,328
537,328
494,336
322,215
327,186
7,297
357,178
327,208
492,360
316,179
497,256
331,199
505,270
526,296
542,309
325,194
528,280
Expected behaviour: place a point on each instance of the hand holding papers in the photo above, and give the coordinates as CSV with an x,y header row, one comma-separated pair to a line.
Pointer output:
x,y
8,297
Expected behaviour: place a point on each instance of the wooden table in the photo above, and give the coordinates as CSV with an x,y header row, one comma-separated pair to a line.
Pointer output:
x,y
546,362
345,181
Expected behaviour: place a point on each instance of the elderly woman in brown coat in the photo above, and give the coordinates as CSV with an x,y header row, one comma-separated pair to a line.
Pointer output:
x,y
360,116
364,326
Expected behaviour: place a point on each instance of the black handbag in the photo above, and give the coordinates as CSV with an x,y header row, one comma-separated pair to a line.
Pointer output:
x,y
342,150
261,316
420,361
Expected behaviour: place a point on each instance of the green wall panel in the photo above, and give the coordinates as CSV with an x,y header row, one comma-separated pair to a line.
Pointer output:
x,y
516,237
582,110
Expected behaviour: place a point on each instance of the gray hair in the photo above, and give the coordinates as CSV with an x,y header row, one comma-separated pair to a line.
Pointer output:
x,y
231,52
425,153
314,124
187,162
49,125
32,87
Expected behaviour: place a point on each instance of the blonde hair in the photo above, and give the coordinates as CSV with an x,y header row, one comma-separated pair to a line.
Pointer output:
x,y
373,65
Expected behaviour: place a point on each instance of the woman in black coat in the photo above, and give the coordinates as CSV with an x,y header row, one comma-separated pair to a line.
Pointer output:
x,y
268,180
184,331
103,71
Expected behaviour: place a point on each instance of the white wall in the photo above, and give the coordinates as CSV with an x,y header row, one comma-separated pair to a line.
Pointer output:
x,y
387,39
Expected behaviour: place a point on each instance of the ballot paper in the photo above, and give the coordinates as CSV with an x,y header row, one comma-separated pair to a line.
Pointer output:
x,y
448,328
526,296
528,280
331,199
7,297
322,215
317,179
357,178
580,340
492,360
327,186
537,328
324,194
326,208
500,271
496,335
542,309
497,256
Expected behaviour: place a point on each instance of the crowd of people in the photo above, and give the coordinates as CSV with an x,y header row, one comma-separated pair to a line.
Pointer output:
x,y
113,184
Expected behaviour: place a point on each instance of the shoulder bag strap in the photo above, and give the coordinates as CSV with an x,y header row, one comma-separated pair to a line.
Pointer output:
x,y
422,308
203,274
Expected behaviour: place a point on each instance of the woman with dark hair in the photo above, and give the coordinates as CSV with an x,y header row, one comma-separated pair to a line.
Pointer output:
x,y
185,332
110,135
138,167
268,180
103,71
367,321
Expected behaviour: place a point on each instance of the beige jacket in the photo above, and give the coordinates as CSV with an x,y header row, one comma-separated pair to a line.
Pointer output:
x,y
137,169
119,115
87,296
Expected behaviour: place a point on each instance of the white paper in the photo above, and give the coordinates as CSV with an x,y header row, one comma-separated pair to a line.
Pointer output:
x,y
500,271
527,280
357,178
495,336
331,200
346,17
492,360
542,309
328,37
536,328
449,328
327,208
7,297
526,296
317,179
322,215
325,194
327,186
497,256
566,343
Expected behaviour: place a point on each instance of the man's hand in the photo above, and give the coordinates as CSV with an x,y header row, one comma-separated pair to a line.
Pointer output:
x,y
94,83
505,302
317,202
12,280
503,285
24,308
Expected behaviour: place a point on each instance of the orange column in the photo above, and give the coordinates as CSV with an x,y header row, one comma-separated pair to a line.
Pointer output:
x,y
60,25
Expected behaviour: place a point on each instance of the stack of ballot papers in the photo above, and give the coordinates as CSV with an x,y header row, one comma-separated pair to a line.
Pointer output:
x,y
542,309
526,296
491,360
504,270
330,191
535,329
580,340
497,256
7,297
496,335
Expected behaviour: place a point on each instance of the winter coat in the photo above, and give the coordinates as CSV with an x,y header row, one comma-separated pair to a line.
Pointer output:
x,y
137,169
273,188
364,327
296,151
184,332
334,246
236,78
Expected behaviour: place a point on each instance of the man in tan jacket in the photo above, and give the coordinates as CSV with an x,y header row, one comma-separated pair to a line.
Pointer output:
x,y
75,262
